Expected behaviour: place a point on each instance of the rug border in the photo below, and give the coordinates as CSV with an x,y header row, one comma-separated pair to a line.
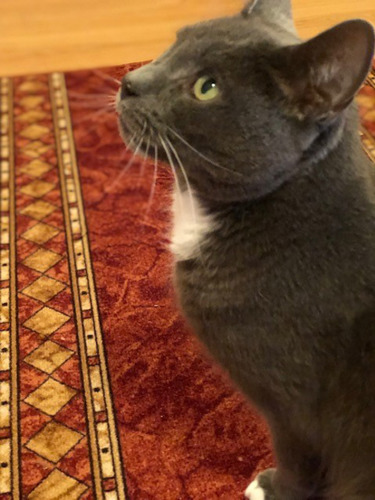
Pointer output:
x,y
60,102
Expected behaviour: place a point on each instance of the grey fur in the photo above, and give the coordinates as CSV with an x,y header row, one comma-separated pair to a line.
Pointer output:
x,y
283,291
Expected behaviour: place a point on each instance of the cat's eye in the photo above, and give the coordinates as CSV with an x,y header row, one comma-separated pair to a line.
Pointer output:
x,y
205,88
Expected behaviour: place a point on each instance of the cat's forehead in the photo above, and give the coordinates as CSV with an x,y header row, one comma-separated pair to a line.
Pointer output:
x,y
226,30
217,44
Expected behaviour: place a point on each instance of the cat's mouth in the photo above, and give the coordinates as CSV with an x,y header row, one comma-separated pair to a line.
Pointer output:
x,y
132,129
138,130
138,135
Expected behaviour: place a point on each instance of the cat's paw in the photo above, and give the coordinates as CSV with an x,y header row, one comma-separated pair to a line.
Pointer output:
x,y
255,492
261,488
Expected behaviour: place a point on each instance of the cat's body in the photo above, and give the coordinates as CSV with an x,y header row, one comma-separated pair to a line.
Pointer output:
x,y
299,267
275,248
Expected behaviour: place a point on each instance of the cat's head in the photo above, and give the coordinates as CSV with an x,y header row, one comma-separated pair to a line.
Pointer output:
x,y
240,102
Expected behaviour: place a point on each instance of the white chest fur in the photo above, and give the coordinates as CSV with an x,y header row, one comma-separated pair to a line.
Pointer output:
x,y
191,225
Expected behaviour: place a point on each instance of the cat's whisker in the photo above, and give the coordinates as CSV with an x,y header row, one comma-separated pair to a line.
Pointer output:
x,y
90,98
184,141
79,95
173,149
106,102
171,162
188,187
92,105
89,115
106,77
129,164
128,146
145,157
91,119
153,185
93,102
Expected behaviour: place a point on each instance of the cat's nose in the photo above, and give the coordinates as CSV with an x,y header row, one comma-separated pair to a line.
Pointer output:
x,y
141,82
128,87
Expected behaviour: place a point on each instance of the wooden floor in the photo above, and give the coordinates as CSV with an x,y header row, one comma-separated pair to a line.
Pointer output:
x,y
46,35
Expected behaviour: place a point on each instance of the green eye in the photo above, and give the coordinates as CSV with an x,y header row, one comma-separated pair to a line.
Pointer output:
x,y
205,89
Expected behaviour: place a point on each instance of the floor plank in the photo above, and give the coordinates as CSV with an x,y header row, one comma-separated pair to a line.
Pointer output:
x,y
47,35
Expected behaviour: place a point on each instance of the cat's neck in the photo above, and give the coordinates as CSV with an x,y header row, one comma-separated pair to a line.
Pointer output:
x,y
335,154
340,178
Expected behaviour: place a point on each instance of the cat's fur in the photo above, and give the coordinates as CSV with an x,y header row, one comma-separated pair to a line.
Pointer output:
x,y
280,282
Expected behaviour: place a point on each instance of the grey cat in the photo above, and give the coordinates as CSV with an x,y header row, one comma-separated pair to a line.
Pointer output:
x,y
274,229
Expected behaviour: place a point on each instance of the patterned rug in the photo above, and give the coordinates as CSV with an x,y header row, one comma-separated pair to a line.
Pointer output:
x,y
104,393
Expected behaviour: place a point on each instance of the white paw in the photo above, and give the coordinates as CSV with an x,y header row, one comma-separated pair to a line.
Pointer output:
x,y
254,491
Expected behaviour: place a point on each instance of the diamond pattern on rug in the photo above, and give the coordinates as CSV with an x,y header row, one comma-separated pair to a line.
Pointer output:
x,y
42,260
36,149
86,302
38,210
50,397
48,357
58,485
44,289
47,312
37,188
46,321
36,167
34,131
54,441
40,233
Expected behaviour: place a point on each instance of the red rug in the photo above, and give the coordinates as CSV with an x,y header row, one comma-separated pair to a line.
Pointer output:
x,y
104,393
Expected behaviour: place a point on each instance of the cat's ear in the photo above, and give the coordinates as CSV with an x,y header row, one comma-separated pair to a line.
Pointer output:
x,y
321,76
275,11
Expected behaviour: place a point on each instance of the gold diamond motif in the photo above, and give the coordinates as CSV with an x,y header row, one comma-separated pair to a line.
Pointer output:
x,y
30,102
30,86
32,116
53,442
36,168
38,209
50,397
48,357
35,149
42,259
44,289
40,233
58,485
34,132
46,321
37,188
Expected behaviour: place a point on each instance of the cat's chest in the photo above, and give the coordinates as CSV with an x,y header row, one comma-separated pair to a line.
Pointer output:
x,y
192,225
